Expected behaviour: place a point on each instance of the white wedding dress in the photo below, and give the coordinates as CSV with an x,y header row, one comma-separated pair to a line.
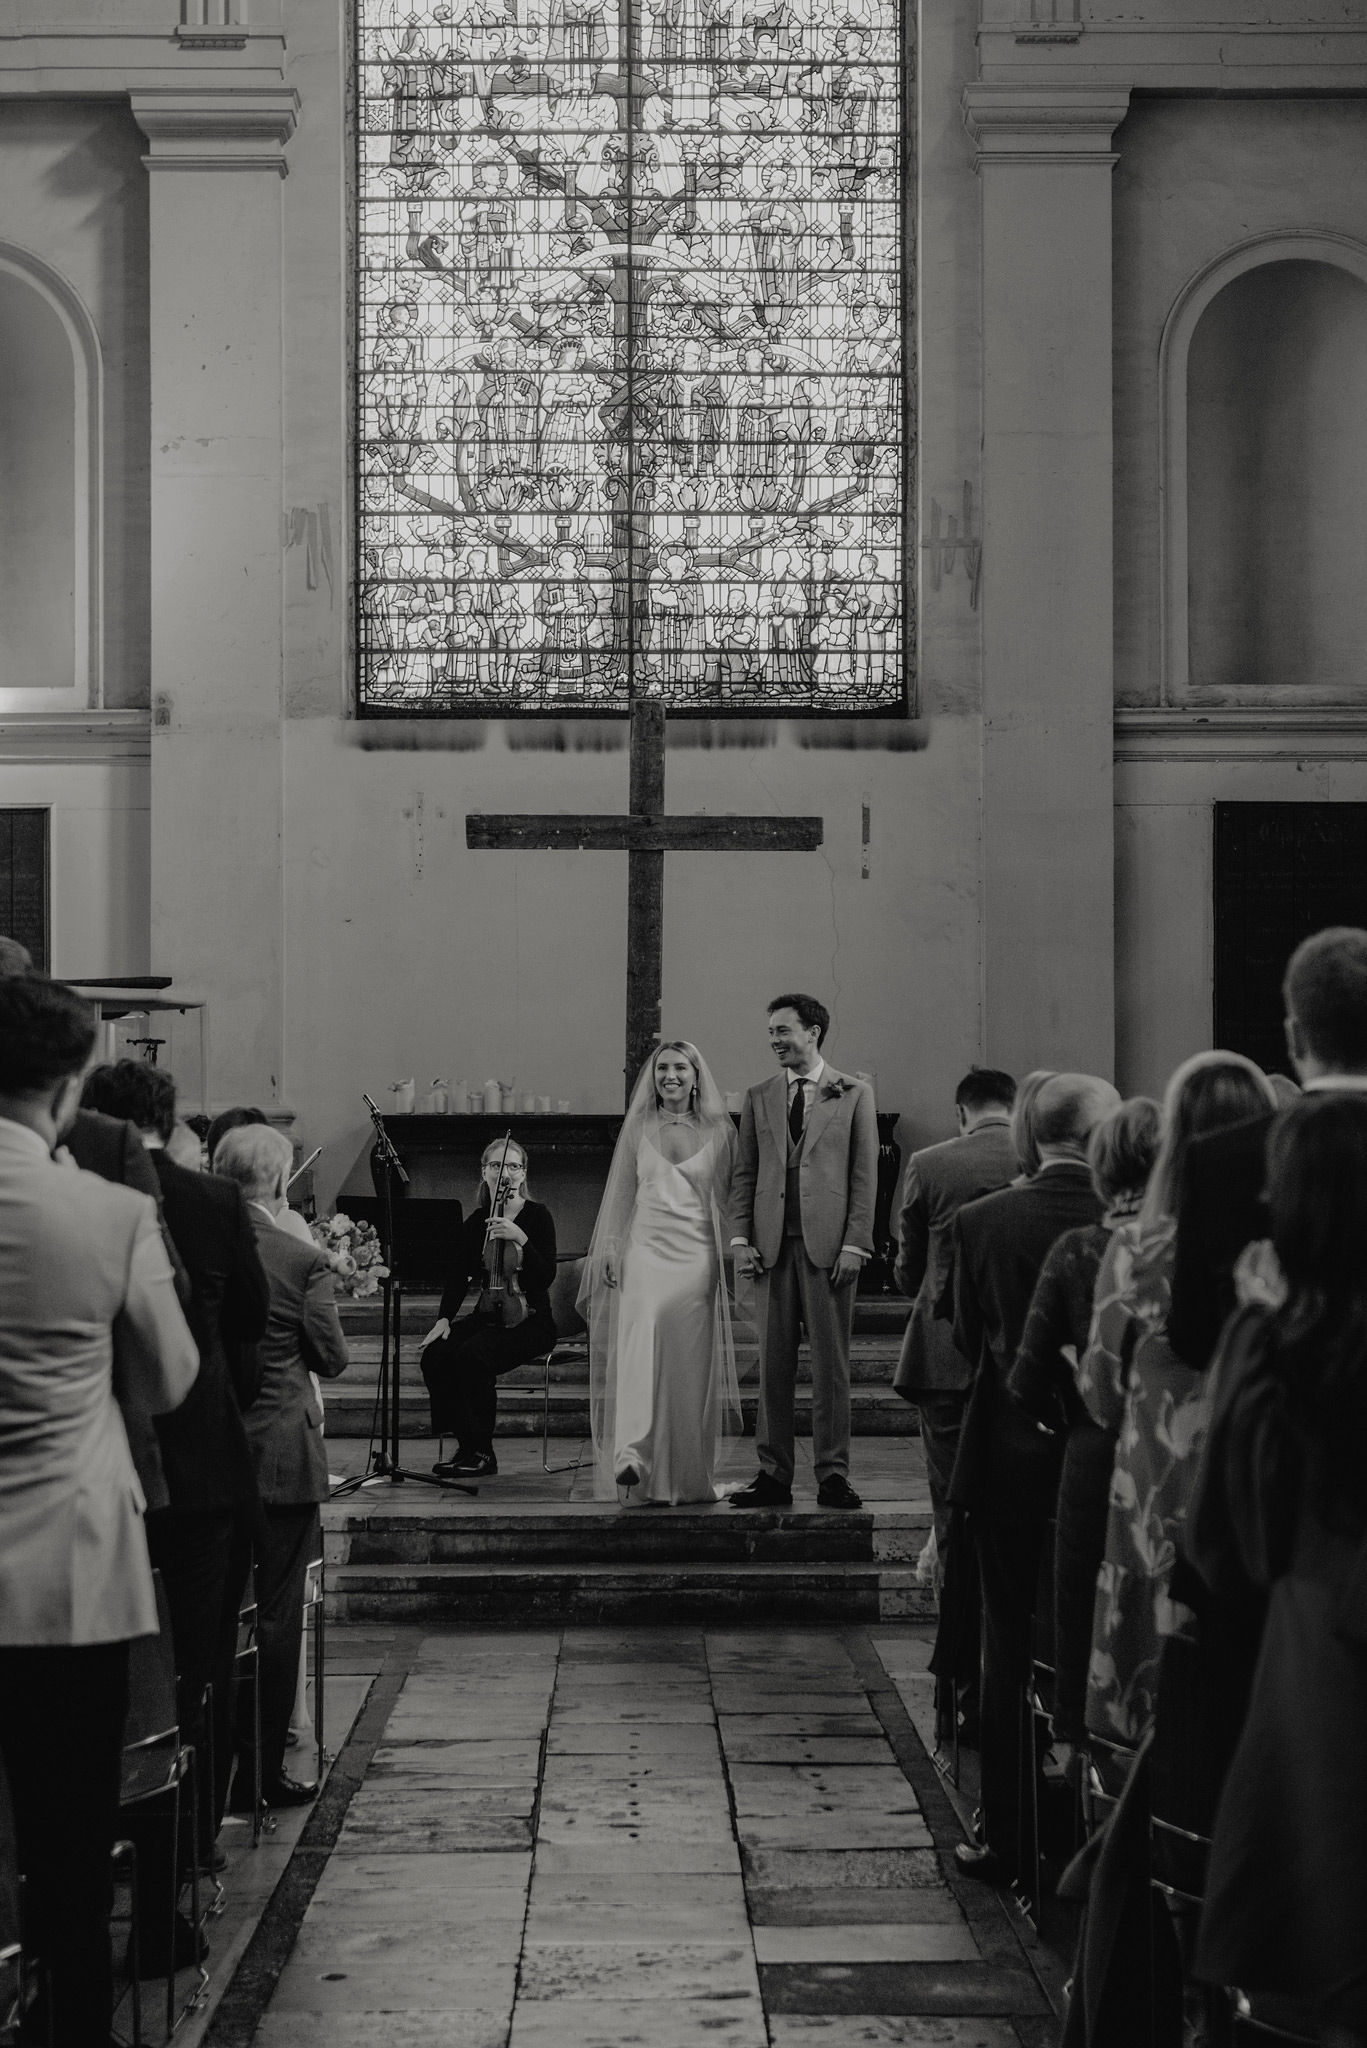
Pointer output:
x,y
669,1339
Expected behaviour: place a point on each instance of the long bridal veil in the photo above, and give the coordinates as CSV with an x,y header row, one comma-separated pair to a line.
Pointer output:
x,y
599,1303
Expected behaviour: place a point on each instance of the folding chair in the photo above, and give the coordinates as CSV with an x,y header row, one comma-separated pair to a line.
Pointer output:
x,y
1266,2026
247,1659
155,1766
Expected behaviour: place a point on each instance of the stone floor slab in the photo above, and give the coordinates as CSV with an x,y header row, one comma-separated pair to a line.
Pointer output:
x,y
798,1723
841,1905
630,1738
407,2029
652,1907
814,1828
589,1858
638,1709
742,1747
599,1970
460,1984
869,2030
363,1872
953,1989
866,1942
821,1869
638,2023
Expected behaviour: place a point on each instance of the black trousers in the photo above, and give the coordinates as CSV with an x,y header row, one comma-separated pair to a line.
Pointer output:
x,y
285,1547
462,1372
1019,1499
193,1553
62,1715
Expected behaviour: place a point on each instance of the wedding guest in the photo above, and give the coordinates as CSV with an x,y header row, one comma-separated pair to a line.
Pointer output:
x,y
201,1541
1134,1383
1325,998
284,1432
931,1372
229,1120
85,1288
1120,1155
1023,1122
463,1358
1280,1507
1006,1474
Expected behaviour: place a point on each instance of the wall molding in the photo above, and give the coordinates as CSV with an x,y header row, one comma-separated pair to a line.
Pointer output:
x,y
1039,123
1253,733
59,738
216,128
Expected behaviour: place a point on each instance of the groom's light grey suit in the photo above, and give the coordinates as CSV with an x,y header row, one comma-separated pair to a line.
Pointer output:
x,y
798,1205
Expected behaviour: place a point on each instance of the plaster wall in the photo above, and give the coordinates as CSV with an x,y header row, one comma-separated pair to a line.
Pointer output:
x,y
74,193
406,954
100,837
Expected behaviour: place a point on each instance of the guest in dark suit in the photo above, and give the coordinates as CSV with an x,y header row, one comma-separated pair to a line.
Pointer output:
x,y
1280,1511
463,1358
285,1434
201,1542
1222,1208
1006,1475
931,1372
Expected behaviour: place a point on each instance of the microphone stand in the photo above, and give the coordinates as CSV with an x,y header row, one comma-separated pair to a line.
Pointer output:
x,y
385,1463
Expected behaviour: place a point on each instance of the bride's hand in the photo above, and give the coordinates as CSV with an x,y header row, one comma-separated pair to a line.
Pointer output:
x,y
441,1328
609,1270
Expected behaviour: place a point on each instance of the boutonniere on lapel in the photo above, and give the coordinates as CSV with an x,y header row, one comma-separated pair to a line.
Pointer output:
x,y
831,1091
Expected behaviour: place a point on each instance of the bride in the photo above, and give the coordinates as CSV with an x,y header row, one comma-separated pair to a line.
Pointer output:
x,y
662,1362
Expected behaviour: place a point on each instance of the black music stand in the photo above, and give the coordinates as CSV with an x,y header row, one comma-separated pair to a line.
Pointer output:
x,y
385,1463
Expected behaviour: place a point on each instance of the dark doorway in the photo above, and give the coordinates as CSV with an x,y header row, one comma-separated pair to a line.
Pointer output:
x,y
1282,871
25,881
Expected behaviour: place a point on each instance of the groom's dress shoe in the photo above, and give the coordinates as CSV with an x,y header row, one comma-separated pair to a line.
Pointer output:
x,y
764,1491
975,1859
836,1492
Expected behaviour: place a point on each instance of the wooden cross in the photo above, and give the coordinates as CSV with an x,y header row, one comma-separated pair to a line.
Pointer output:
x,y
645,835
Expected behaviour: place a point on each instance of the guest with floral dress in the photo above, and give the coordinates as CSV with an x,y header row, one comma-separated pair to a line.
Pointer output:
x,y
1134,1383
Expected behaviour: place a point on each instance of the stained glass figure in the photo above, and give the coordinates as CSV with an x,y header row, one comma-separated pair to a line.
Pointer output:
x,y
632,367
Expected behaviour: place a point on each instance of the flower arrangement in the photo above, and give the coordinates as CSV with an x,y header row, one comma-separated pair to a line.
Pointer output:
x,y
353,1252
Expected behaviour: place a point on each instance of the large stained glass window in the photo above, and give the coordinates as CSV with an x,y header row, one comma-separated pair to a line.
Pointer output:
x,y
633,354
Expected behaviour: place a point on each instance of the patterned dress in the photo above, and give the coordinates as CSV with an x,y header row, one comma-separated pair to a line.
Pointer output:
x,y
1133,1382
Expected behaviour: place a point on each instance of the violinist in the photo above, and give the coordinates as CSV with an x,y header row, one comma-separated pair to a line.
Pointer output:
x,y
506,1251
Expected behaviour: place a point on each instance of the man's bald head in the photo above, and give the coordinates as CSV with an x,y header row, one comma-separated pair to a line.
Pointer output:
x,y
1067,1110
14,959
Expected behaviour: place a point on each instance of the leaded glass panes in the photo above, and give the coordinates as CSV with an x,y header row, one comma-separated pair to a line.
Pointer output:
x,y
632,358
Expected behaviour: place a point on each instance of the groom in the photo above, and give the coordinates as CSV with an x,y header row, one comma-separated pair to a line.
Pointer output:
x,y
802,1198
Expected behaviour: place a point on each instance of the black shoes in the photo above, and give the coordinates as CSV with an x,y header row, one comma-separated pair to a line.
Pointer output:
x,y
975,1859
287,1791
467,1465
764,1491
836,1492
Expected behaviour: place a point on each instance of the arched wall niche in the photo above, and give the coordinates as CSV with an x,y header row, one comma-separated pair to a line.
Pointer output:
x,y
51,458
1263,374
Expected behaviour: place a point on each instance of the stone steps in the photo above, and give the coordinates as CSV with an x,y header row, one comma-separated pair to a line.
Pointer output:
x,y
873,1361
513,1595
874,1315
587,1563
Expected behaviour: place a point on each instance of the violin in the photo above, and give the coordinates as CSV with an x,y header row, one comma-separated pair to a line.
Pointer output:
x,y
501,1296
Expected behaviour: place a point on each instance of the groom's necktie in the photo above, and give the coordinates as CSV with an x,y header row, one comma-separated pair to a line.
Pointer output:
x,y
796,1109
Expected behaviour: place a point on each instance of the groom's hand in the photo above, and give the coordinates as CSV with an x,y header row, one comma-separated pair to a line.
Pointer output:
x,y
749,1264
847,1267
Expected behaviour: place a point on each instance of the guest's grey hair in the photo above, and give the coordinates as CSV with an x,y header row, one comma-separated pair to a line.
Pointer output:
x,y
257,1157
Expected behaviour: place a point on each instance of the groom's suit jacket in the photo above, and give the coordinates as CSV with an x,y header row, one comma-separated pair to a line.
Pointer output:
x,y
837,1175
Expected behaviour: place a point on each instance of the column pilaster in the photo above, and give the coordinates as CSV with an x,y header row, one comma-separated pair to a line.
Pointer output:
x,y
215,159
1044,157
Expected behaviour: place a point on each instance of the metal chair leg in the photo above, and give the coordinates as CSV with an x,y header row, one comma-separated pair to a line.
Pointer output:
x,y
573,1464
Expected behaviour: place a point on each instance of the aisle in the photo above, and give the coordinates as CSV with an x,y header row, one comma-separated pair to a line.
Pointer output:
x,y
663,1837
